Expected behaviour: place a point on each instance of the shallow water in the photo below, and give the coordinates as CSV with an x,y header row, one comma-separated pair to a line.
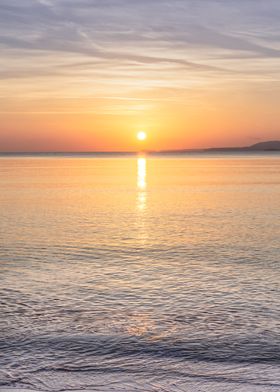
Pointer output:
x,y
140,273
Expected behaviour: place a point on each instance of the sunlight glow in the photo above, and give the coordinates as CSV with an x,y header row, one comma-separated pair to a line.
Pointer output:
x,y
141,135
141,183
141,179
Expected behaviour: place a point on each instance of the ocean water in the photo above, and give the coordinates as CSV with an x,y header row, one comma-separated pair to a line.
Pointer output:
x,y
140,273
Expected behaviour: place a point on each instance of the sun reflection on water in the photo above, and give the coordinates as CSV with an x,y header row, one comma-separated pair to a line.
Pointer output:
x,y
141,179
141,183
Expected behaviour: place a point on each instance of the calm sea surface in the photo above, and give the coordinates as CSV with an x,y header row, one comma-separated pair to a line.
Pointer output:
x,y
140,273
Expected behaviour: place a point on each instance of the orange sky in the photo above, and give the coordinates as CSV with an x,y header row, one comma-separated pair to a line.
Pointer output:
x,y
87,77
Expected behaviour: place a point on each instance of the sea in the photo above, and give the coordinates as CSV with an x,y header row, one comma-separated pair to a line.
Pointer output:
x,y
140,273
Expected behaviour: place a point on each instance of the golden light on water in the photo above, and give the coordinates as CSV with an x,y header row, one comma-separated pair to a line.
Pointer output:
x,y
141,178
141,183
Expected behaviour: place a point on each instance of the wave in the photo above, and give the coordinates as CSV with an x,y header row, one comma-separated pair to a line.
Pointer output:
x,y
249,349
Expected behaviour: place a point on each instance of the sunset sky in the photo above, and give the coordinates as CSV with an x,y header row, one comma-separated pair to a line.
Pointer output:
x,y
86,75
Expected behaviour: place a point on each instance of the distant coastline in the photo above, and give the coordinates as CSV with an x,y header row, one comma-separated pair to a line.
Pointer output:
x,y
273,145
266,146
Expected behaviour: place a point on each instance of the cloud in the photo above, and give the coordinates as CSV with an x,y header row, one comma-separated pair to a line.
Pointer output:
x,y
218,39
114,22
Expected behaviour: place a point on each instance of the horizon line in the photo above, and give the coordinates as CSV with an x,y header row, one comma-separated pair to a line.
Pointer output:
x,y
134,152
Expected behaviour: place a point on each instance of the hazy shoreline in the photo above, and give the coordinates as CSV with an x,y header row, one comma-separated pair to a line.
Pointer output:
x,y
268,147
206,153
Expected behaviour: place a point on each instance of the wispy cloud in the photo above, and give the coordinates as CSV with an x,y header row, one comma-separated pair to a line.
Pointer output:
x,y
160,43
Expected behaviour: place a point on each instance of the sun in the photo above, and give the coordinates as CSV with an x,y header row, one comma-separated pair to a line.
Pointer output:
x,y
141,135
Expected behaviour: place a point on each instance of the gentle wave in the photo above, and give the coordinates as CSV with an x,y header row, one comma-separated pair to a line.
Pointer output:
x,y
123,276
